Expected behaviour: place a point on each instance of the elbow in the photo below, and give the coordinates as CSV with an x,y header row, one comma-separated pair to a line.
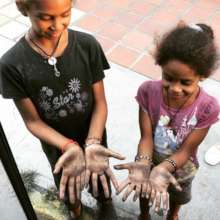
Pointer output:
x,y
32,125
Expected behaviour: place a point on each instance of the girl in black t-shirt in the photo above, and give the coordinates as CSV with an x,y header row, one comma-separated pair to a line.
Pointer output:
x,y
55,77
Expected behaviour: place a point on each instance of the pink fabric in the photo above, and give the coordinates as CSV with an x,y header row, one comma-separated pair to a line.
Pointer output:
x,y
202,113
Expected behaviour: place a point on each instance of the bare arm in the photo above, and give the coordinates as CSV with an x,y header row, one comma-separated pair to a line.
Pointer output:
x,y
160,177
71,162
145,146
189,146
99,114
97,156
139,170
37,126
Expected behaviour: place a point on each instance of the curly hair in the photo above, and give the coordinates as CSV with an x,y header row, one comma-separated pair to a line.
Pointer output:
x,y
192,46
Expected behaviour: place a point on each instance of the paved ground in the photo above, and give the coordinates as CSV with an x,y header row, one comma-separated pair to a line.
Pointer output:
x,y
117,23
126,28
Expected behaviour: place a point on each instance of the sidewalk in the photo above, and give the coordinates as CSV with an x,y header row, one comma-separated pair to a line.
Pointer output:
x,y
125,29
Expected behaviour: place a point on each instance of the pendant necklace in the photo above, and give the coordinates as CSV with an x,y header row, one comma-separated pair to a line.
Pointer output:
x,y
173,117
50,58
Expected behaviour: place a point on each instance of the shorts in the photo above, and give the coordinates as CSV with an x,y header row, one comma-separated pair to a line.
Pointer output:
x,y
182,197
184,176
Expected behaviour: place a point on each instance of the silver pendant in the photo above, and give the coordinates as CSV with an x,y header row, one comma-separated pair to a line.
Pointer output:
x,y
56,71
52,61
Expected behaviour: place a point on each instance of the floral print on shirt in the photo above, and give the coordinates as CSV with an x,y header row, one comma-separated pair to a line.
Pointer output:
x,y
69,101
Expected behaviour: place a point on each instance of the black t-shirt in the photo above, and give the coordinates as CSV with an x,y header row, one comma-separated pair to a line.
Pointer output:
x,y
66,102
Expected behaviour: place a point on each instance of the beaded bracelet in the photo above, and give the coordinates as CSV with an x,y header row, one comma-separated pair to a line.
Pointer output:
x,y
95,140
89,144
68,142
172,162
143,157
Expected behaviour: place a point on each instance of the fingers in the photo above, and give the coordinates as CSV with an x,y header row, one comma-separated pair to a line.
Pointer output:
x,y
60,163
152,196
166,202
128,192
104,185
144,190
123,166
111,153
123,185
63,183
82,178
95,184
71,189
78,187
112,178
148,191
175,183
87,177
157,201
137,192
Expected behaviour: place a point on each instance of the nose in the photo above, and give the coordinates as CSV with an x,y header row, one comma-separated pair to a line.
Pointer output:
x,y
175,87
56,25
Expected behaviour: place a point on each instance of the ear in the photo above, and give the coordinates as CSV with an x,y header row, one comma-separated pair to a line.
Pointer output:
x,y
181,24
22,7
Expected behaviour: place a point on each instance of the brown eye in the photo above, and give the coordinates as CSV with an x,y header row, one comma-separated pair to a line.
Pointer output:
x,y
186,82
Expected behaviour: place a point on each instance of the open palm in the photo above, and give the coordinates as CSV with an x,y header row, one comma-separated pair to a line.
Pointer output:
x,y
137,179
97,166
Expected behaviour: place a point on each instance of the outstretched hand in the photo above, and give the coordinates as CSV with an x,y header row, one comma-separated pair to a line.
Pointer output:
x,y
160,178
72,163
137,179
97,166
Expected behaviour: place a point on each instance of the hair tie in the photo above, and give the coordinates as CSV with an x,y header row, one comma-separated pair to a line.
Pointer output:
x,y
195,27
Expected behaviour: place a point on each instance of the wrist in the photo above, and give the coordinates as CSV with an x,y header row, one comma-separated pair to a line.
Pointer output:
x,y
65,146
170,165
143,158
92,140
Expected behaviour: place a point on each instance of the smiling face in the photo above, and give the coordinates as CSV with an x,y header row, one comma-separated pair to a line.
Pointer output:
x,y
179,81
49,18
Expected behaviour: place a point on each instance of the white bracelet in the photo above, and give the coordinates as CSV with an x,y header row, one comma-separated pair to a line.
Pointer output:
x,y
143,157
95,141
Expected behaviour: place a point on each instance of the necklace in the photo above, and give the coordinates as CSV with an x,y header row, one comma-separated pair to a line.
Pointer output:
x,y
172,118
50,58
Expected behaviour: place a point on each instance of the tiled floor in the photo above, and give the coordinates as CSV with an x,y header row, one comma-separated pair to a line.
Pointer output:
x,y
125,28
